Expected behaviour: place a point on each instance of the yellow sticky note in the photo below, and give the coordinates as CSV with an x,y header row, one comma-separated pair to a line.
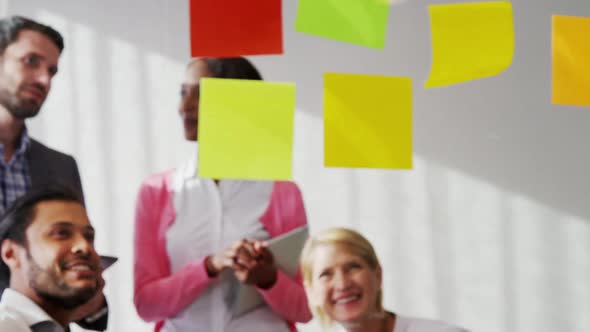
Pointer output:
x,y
571,60
470,41
367,121
245,129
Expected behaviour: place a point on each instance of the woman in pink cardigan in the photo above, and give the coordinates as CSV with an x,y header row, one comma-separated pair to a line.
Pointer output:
x,y
194,235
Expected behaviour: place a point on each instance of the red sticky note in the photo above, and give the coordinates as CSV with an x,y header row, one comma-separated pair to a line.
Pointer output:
x,y
229,28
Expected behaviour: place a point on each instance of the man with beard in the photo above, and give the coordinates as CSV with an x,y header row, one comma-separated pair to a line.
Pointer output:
x,y
29,56
47,252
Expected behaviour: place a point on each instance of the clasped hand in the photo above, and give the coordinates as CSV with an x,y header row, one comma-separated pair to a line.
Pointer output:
x,y
251,261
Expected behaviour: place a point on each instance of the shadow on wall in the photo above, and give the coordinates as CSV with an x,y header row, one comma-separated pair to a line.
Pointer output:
x,y
458,248
502,129
104,110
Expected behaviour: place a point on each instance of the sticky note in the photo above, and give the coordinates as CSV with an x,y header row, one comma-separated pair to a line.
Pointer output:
x,y
362,22
245,129
229,28
571,60
367,121
470,41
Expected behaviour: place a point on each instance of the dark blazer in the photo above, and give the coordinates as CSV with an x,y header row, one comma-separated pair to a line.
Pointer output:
x,y
48,166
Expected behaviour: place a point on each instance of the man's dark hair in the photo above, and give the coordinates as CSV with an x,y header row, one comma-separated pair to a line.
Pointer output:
x,y
10,27
20,214
236,68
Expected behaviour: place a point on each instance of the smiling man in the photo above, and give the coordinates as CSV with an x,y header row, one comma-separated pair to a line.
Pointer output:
x,y
29,58
47,253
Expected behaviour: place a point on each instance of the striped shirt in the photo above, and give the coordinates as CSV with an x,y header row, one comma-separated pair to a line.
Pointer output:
x,y
15,180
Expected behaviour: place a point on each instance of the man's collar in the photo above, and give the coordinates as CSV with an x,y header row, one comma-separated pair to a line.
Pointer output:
x,y
26,308
24,142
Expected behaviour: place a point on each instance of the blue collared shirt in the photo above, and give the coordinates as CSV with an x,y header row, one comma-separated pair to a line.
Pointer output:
x,y
15,179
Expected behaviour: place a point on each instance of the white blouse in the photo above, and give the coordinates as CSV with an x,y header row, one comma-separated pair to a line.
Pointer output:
x,y
209,218
409,324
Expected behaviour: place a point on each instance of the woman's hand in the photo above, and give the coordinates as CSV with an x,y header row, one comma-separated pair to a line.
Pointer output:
x,y
240,252
219,262
250,260
254,265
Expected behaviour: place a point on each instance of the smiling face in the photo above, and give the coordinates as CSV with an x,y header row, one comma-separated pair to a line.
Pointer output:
x,y
189,97
343,285
26,69
59,262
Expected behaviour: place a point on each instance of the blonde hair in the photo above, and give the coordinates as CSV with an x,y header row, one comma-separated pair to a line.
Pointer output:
x,y
350,241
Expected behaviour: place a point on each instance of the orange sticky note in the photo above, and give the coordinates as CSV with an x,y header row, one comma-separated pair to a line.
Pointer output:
x,y
571,60
229,28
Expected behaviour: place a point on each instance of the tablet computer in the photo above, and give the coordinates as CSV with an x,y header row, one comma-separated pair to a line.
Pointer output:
x,y
286,250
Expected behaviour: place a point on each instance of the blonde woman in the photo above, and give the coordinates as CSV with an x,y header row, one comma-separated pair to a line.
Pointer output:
x,y
342,277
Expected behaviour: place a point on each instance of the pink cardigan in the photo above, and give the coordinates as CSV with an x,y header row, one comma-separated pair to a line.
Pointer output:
x,y
158,294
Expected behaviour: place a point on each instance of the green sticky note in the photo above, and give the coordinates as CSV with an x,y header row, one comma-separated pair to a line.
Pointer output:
x,y
245,129
367,121
362,22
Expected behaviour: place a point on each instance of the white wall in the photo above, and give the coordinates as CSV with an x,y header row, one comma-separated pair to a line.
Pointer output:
x,y
491,230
